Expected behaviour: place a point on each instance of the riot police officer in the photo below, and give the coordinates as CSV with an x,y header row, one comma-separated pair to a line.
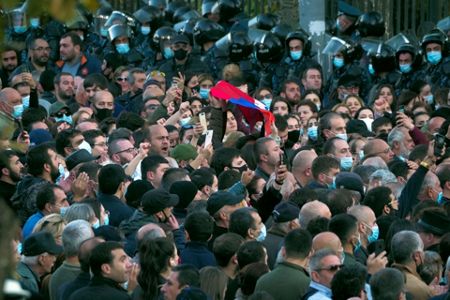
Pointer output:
x,y
408,61
436,70
120,36
268,51
382,67
345,56
296,60
160,43
206,33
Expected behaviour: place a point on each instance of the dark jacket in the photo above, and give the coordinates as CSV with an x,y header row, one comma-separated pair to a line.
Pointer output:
x,y
78,283
408,197
118,210
192,65
29,280
24,199
273,242
197,254
101,288
88,65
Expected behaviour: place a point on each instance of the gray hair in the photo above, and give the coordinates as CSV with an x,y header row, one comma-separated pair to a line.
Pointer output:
x,y
310,211
396,135
376,162
75,233
404,244
79,211
387,284
315,261
30,260
428,181
385,176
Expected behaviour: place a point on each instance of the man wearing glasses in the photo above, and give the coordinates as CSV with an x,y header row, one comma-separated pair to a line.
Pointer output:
x,y
39,54
322,266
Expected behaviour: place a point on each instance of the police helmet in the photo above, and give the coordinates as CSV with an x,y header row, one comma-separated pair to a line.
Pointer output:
x,y
383,59
269,48
281,31
303,36
264,21
227,9
207,6
162,34
240,46
118,30
371,24
206,31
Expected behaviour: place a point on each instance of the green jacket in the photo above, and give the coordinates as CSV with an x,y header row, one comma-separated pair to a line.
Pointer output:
x,y
286,282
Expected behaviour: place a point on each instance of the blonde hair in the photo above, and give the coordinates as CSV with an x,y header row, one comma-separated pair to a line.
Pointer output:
x,y
53,223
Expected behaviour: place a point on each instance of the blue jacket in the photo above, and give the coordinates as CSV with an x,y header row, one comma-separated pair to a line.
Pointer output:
x,y
88,65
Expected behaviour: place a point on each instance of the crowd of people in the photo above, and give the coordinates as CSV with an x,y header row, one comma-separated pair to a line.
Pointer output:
x,y
172,154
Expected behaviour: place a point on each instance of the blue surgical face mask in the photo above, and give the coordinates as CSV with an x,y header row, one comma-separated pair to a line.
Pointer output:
x,y
145,30
63,210
361,154
405,68
185,121
313,133
65,118
346,163
296,55
267,103
434,57
17,111
338,26
104,32
332,186
358,244
429,99
96,224
20,29
318,106
374,235
338,62
262,235
19,248
34,22
204,93
168,53
123,48
26,101
371,69
106,220
342,136
439,199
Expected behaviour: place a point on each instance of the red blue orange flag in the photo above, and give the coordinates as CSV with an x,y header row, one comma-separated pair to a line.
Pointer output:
x,y
252,109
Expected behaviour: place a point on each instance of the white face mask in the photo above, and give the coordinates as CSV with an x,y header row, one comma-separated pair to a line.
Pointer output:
x,y
85,145
368,122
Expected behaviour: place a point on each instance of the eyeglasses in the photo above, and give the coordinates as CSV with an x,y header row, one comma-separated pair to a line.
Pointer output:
x,y
40,49
129,150
122,79
332,268
62,114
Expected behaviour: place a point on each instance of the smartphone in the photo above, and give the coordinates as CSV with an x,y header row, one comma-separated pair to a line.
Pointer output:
x,y
401,109
376,247
208,138
202,117
281,159
439,143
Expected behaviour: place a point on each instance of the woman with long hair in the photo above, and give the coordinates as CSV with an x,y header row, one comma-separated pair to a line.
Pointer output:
x,y
157,257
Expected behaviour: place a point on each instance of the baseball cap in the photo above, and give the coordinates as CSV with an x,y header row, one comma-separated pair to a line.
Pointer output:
x,y
156,200
39,243
57,106
181,38
183,152
220,199
285,211
350,181
78,157
435,222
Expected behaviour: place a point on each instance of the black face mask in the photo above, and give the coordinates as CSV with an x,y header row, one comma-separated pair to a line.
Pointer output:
x,y
103,113
293,136
180,54
241,169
